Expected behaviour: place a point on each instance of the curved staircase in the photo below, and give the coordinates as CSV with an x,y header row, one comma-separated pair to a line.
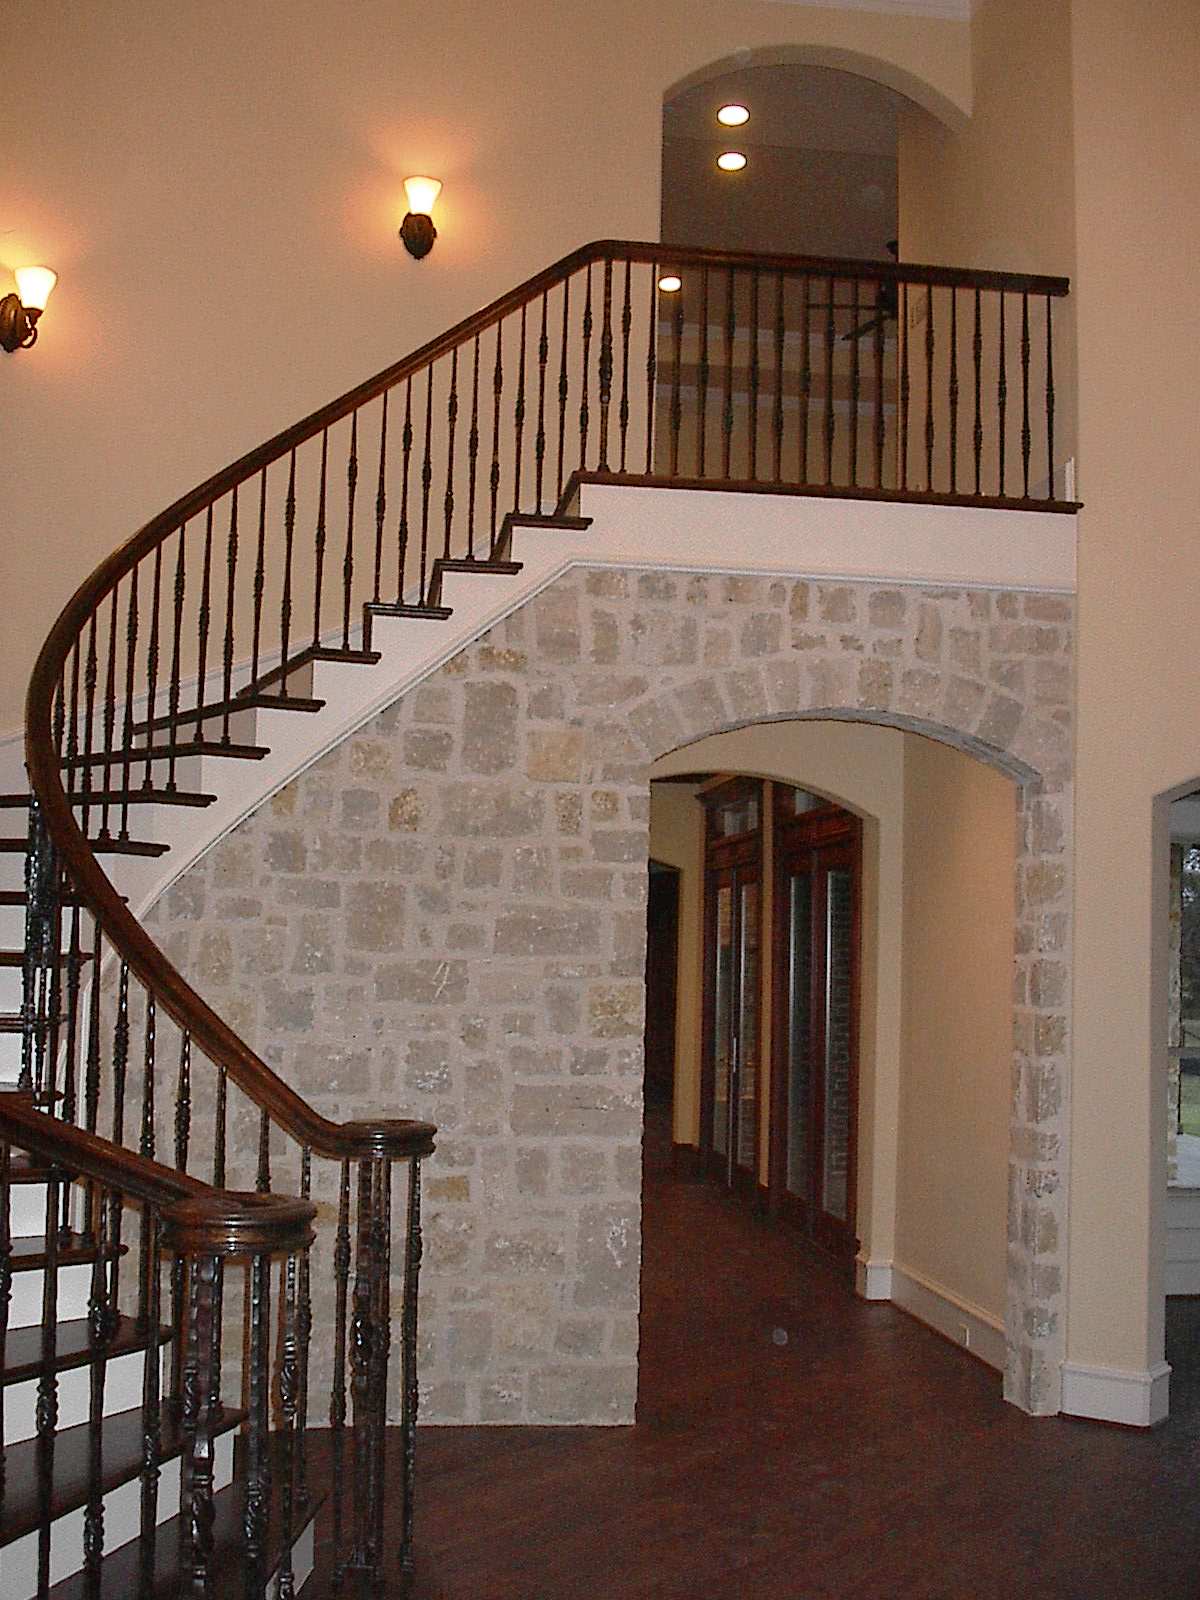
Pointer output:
x,y
159,1183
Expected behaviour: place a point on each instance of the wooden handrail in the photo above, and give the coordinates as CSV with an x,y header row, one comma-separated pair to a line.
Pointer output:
x,y
176,996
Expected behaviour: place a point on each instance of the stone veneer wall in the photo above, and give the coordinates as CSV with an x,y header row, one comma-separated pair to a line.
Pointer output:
x,y
445,917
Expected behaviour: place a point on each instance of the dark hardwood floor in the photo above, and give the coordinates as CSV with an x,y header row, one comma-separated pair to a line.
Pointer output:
x,y
863,1456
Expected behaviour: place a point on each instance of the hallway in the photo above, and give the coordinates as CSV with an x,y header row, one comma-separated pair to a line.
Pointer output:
x,y
863,1456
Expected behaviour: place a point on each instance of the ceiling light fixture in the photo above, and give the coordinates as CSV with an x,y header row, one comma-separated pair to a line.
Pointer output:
x,y
669,283
731,161
733,116
417,229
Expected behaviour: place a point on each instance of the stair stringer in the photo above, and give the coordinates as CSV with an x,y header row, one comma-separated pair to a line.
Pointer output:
x,y
716,532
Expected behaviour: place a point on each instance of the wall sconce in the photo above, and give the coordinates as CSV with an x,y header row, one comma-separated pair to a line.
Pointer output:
x,y
19,312
417,229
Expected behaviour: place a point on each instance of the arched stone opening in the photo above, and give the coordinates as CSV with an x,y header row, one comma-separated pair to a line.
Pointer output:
x,y
445,915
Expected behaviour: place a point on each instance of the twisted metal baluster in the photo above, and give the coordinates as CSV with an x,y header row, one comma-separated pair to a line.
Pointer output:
x,y
905,381
179,594
285,598
1002,400
606,363
1026,433
402,530
426,484
754,378
260,576
473,450
855,388
231,560
337,1393
201,1406
805,373
702,379
777,413
348,551
320,536
977,368
254,1521
451,431
494,471
151,1411
564,383
585,375
727,408
651,366
381,500
408,1357
676,384
152,650
953,390
830,343
132,624
519,418
1049,401
539,438
204,617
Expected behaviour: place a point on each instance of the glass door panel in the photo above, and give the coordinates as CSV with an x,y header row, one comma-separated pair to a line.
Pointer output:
x,y
722,1018
838,994
748,1030
799,960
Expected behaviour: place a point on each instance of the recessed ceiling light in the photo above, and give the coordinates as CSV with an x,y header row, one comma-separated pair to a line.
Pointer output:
x,y
732,116
670,284
731,161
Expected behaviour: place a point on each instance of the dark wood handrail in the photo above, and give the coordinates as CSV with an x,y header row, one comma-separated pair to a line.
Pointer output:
x,y
187,1008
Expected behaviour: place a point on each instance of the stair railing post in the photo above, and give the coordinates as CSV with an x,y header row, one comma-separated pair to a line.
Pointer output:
x,y
38,986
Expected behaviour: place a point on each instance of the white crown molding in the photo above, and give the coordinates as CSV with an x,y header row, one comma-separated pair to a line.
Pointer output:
x,y
944,10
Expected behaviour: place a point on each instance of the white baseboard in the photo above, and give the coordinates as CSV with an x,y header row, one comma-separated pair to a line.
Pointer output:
x,y
873,1279
1109,1394
959,1320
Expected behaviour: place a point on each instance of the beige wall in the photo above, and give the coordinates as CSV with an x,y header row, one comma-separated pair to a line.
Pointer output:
x,y
1137,122
677,837
219,186
959,826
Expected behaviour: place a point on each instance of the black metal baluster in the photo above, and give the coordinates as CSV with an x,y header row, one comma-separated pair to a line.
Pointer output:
x,y
47,1385
606,363
855,387
304,1335
623,403
382,1260
977,368
74,976
348,551
254,1522
905,383
91,679
929,349
260,576
132,624
451,431
953,390
91,1082
220,1129
406,444
380,500
262,1179
363,1334
676,382
289,1384
231,560
880,415
777,410
110,714
101,1323
204,618
830,344
146,1149
494,471
539,438
519,418
702,379
201,1405
178,597
1026,436
285,598
337,1392
426,485
651,365
805,373
754,377
585,374
151,1410
410,1394
1002,401
152,649
6,1276
183,1134
564,385
1049,401
727,407
473,450
320,535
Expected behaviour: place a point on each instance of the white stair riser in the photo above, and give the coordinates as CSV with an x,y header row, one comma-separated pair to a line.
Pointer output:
x,y
122,1521
10,1060
25,1309
12,927
27,1209
12,862
122,1392
10,989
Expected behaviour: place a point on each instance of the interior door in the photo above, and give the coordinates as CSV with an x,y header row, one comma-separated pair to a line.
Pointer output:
x,y
814,1103
733,1029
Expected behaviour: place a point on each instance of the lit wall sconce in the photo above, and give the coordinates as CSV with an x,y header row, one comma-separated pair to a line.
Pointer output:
x,y
417,229
19,312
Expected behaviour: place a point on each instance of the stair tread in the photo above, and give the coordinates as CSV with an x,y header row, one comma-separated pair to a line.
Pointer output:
x,y
348,657
162,752
23,1347
16,958
248,700
29,1252
119,1571
100,847
121,1460
18,897
382,608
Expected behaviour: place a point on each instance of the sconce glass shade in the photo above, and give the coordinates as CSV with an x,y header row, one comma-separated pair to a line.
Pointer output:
x,y
34,285
731,161
733,116
670,283
422,195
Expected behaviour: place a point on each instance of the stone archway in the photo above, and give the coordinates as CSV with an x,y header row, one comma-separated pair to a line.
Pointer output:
x,y
445,915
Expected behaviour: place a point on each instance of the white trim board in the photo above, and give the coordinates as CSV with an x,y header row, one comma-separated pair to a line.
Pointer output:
x,y
1110,1394
961,1321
